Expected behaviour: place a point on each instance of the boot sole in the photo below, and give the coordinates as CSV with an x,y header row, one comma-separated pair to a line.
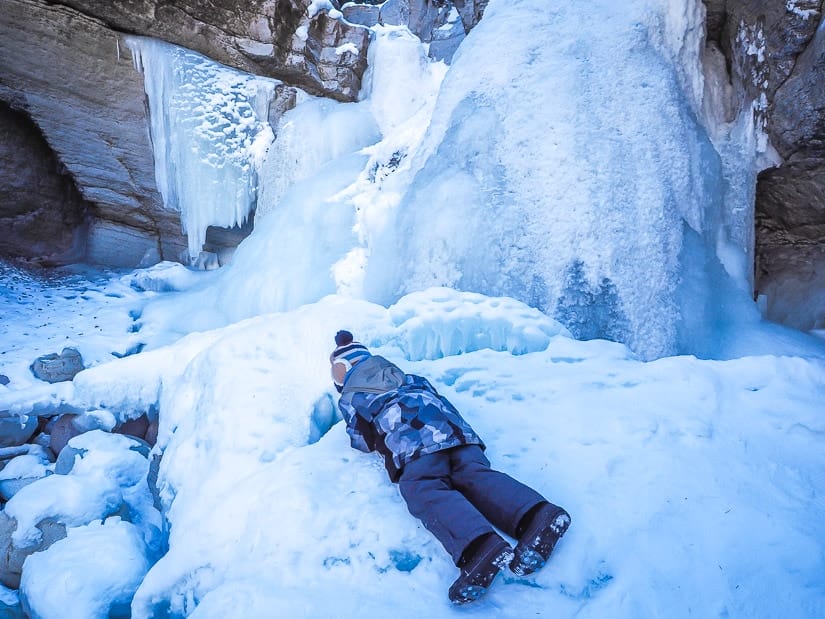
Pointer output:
x,y
470,592
531,557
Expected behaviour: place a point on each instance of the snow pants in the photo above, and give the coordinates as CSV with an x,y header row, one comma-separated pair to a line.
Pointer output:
x,y
458,497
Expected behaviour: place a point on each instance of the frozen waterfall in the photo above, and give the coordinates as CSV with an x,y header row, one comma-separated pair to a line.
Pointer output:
x,y
570,168
572,163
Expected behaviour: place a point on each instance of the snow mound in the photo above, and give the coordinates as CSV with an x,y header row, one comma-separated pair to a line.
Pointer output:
x,y
441,322
165,277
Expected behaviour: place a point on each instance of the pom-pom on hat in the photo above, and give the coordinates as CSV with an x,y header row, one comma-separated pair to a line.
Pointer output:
x,y
348,351
342,338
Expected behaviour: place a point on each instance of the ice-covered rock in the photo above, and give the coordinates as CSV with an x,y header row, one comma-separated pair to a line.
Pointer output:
x,y
210,129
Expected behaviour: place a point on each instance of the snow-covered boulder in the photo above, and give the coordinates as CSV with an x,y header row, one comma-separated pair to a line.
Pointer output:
x,y
71,452
22,470
63,428
136,427
13,555
106,476
61,431
91,574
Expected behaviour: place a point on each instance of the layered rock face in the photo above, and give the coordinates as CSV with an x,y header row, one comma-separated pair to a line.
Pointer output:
x,y
72,77
66,71
286,39
776,51
41,212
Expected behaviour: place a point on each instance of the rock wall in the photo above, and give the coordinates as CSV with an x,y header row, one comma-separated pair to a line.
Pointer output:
x,y
42,216
283,39
66,72
790,205
74,106
73,77
776,55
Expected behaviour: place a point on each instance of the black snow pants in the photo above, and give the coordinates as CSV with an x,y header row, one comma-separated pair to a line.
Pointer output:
x,y
458,497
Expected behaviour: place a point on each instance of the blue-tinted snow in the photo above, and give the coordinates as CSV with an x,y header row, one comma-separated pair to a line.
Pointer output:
x,y
564,158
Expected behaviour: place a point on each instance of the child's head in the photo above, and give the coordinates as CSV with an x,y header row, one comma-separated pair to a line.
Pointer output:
x,y
346,354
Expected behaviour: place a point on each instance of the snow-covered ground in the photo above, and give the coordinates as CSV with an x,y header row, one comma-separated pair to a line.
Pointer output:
x,y
696,485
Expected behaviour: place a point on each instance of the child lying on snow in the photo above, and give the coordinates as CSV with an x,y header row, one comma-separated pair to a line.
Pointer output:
x,y
437,460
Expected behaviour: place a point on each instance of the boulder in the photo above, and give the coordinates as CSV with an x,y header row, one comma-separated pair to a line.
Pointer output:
x,y
12,557
134,427
16,430
361,14
56,368
4,380
61,431
22,471
68,455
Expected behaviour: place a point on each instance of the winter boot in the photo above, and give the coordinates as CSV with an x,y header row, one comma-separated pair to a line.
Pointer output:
x,y
539,537
484,560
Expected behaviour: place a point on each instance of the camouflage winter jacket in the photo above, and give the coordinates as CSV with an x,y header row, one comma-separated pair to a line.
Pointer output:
x,y
399,415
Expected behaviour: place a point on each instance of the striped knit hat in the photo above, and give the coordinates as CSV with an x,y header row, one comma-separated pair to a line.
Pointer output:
x,y
348,351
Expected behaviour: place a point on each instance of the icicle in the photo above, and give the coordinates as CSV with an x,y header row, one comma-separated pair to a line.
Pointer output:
x,y
209,134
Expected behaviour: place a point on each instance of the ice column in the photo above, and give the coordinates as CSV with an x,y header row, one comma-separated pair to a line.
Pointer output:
x,y
209,131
